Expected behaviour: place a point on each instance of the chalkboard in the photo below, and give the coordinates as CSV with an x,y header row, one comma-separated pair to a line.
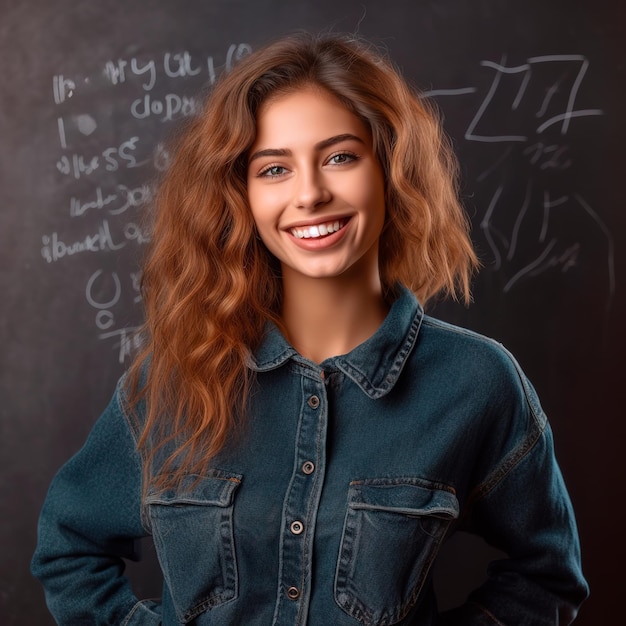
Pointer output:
x,y
532,94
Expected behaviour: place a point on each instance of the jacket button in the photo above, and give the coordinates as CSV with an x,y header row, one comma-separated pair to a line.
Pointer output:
x,y
308,467
296,527
293,593
314,402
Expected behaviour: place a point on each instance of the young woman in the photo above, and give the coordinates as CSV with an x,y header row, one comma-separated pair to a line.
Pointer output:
x,y
298,437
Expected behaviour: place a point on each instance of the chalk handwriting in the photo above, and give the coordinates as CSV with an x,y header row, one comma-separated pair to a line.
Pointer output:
x,y
62,88
77,165
546,261
134,232
523,104
104,317
179,65
97,303
111,159
55,249
173,65
553,250
169,107
549,156
130,341
104,291
115,203
78,208
103,179
135,277
576,66
116,71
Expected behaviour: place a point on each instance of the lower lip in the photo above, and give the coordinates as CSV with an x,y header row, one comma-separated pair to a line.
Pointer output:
x,y
320,243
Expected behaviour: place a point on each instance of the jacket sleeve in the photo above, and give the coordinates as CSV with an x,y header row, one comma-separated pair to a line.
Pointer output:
x,y
90,522
522,508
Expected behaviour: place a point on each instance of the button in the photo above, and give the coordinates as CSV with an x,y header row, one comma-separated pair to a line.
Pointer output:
x,y
308,467
296,527
323,375
293,593
314,402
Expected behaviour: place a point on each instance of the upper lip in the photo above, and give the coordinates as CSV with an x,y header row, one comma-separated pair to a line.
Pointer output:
x,y
316,221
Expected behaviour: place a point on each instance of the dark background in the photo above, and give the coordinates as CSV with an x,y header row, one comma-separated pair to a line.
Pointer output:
x,y
533,96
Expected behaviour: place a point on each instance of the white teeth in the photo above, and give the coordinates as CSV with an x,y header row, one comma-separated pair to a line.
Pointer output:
x,y
319,230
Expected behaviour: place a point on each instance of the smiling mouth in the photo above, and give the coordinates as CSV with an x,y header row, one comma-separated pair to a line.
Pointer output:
x,y
318,230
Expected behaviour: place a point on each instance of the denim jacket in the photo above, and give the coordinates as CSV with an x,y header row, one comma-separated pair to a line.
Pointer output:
x,y
331,505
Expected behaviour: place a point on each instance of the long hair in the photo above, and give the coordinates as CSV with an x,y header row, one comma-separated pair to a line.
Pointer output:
x,y
210,285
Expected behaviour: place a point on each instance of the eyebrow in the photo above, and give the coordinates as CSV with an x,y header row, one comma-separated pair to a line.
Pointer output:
x,y
321,145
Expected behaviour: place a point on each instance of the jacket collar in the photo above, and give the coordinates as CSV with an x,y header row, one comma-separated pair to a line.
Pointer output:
x,y
374,365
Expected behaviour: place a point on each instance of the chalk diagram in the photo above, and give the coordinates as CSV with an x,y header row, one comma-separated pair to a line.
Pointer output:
x,y
530,198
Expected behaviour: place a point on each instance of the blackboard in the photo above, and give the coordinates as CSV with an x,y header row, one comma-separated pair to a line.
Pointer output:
x,y
532,94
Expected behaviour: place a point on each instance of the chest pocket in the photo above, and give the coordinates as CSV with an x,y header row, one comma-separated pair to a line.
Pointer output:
x,y
392,532
192,528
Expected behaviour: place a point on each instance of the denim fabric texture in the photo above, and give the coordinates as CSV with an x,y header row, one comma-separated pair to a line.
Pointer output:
x,y
331,505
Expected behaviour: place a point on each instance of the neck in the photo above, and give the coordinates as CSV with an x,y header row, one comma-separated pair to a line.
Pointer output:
x,y
325,317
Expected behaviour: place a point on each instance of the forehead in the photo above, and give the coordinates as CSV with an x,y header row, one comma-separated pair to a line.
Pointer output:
x,y
308,114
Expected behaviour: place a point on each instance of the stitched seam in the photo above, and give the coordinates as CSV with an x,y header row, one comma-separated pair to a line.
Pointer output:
x,y
122,403
510,462
132,612
395,369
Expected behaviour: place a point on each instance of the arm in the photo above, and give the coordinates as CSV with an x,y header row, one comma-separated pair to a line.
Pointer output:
x,y
522,507
529,516
89,522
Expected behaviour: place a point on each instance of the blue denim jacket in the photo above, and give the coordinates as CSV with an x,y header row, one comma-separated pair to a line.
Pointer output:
x,y
331,506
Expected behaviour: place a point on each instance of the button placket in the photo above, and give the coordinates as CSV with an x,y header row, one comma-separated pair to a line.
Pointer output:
x,y
301,504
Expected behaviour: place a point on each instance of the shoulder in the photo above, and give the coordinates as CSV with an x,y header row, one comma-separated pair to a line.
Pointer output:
x,y
465,347
476,362
130,404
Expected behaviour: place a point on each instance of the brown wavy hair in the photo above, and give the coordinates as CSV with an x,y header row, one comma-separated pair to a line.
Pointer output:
x,y
210,285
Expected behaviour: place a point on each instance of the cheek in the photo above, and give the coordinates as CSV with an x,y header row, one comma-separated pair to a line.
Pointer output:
x,y
258,206
374,199
265,201
266,221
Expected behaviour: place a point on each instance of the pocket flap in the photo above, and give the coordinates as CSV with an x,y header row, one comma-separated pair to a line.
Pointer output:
x,y
408,496
216,488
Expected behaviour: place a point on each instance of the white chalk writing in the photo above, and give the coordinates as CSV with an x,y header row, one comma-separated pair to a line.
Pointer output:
x,y
523,103
111,159
55,249
110,180
115,203
167,108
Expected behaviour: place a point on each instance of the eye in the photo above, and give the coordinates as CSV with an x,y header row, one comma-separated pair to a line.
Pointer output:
x,y
342,157
273,171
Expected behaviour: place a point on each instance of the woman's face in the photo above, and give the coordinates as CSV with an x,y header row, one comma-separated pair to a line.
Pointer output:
x,y
315,187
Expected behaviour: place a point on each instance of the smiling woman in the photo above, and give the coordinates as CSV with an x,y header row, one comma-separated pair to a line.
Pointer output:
x,y
297,435
318,202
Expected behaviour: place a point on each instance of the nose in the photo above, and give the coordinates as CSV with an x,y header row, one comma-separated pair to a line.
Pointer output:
x,y
310,190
